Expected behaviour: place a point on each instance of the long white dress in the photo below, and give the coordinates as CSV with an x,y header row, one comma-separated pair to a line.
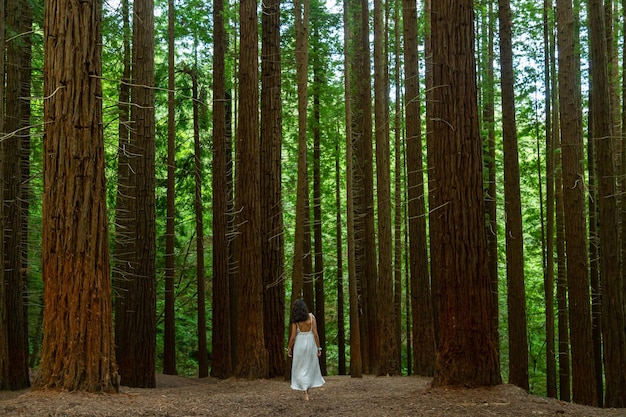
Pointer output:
x,y
305,366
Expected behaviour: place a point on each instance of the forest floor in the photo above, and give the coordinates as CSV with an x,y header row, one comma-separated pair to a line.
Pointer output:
x,y
340,396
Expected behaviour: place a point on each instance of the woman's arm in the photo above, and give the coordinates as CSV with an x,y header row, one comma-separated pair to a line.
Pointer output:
x,y
292,339
315,335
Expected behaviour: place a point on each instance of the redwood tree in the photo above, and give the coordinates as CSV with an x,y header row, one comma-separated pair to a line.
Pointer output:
x,y
421,299
221,335
301,10
252,359
136,310
386,360
356,361
516,294
550,203
272,246
614,338
169,333
78,346
583,372
318,254
13,184
363,178
466,353
4,343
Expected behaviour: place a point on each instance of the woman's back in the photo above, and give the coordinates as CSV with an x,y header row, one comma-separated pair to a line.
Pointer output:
x,y
306,325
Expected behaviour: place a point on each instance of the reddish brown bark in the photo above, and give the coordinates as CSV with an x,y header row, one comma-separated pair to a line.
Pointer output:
x,y
466,354
583,372
271,195
252,361
516,293
221,366
78,346
421,298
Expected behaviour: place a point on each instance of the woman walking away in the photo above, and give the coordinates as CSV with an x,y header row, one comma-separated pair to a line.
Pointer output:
x,y
304,347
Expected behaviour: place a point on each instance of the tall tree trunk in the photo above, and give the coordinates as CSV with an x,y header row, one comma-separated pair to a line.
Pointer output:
x,y
26,28
137,347
78,345
561,289
622,143
320,311
428,81
301,9
614,338
583,372
341,328
231,123
14,125
221,363
356,357
612,19
491,200
548,41
466,354
564,378
169,337
252,361
399,173
273,245
363,172
385,360
308,291
4,332
516,294
203,364
594,261
122,255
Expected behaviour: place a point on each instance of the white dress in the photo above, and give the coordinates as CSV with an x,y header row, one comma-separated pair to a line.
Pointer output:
x,y
305,366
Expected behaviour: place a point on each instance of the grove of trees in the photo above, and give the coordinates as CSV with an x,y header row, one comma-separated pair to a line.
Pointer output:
x,y
443,183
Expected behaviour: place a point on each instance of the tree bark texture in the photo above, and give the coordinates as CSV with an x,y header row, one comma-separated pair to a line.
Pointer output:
x,y
252,361
169,332
387,344
583,372
356,357
301,9
550,204
4,335
516,290
341,328
78,345
318,254
466,354
123,221
221,364
421,300
614,338
491,199
203,361
14,205
272,231
398,201
563,352
137,312
363,178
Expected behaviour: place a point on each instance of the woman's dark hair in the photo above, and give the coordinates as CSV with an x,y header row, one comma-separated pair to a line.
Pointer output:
x,y
299,312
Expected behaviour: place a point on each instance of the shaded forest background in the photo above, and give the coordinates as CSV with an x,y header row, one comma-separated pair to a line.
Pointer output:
x,y
341,176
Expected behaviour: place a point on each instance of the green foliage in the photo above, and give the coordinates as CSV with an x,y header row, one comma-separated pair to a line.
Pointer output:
x,y
193,51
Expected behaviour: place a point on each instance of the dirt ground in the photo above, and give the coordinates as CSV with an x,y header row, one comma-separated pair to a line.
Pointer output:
x,y
340,396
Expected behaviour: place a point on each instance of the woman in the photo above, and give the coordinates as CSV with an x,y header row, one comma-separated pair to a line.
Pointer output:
x,y
304,348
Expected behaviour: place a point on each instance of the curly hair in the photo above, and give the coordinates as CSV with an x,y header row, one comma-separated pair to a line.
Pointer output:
x,y
299,312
